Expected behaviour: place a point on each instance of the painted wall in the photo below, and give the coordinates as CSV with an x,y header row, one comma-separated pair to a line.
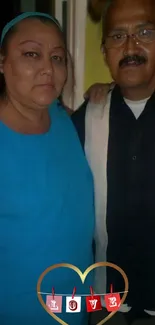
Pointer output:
x,y
95,68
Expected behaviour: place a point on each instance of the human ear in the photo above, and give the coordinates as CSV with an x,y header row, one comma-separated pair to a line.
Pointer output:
x,y
1,62
103,50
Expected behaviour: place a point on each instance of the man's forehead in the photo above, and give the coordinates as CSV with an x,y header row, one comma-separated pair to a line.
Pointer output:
x,y
131,11
129,4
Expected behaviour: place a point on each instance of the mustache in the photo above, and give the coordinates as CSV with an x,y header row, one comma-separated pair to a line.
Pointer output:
x,y
137,59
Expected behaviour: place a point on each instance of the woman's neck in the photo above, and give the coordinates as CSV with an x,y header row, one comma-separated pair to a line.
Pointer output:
x,y
24,119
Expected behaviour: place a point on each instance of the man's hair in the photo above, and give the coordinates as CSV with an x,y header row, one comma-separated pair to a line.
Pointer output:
x,y
104,14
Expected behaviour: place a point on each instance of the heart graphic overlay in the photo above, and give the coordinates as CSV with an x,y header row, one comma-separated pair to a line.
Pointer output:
x,y
82,277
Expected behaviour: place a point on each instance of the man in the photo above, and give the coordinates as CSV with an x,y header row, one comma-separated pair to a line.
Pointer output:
x,y
119,142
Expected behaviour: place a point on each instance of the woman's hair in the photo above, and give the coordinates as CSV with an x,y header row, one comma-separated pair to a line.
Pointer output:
x,y
68,89
3,52
5,42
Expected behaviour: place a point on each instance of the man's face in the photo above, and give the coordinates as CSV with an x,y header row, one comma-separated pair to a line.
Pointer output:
x,y
132,63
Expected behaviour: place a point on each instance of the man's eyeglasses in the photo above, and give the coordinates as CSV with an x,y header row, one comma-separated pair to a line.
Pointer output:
x,y
119,39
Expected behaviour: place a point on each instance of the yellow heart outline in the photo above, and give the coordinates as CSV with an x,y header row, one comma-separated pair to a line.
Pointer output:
x,y
82,277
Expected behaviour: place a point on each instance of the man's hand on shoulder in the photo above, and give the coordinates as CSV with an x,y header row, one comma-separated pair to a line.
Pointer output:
x,y
98,92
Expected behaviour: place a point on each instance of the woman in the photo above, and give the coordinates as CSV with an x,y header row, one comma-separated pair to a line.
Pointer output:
x,y
46,193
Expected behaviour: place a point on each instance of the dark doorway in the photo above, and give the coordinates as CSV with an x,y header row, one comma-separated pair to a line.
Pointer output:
x,y
11,8
14,7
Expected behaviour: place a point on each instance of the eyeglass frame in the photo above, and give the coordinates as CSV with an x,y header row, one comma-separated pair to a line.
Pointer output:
x,y
128,36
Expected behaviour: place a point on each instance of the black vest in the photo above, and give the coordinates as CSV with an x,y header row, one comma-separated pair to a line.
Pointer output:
x,y
130,198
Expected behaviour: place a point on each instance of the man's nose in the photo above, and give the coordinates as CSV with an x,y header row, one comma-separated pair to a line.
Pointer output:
x,y
131,45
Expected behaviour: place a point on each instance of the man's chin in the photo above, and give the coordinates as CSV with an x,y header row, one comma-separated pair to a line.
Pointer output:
x,y
131,83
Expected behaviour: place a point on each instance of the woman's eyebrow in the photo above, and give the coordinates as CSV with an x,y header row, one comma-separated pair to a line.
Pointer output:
x,y
36,42
30,41
58,48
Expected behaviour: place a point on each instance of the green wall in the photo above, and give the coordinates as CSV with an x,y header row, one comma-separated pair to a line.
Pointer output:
x,y
95,67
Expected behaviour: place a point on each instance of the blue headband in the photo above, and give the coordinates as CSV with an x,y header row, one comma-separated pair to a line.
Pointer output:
x,y
24,15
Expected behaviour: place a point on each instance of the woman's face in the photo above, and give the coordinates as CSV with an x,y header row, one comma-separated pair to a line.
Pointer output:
x,y
35,64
